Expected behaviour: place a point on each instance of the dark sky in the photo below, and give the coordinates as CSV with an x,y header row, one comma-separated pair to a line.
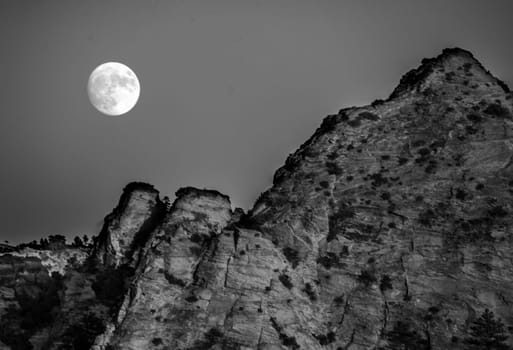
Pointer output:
x,y
229,88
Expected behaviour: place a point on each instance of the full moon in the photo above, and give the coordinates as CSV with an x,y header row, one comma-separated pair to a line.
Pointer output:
x,y
113,88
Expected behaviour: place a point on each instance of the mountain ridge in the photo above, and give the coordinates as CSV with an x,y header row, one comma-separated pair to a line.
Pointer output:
x,y
388,228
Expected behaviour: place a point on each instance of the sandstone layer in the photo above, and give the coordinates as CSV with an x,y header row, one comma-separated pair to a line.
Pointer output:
x,y
390,226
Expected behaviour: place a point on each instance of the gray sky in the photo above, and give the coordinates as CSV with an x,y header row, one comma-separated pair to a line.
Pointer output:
x,y
229,88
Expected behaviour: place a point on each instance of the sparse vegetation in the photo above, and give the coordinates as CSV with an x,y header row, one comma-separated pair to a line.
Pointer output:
x,y
287,341
423,152
460,194
471,130
426,217
497,110
329,260
403,336
339,300
449,76
368,116
173,280
385,196
329,123
191,298
337,221
212,337
325,339
367,278
333,168
196,238
434,309
487,332
402,160
474,118
310,292
354,122
385,283
81,335
37,303
378,179
286,281
292,256
497,212
324,184
156,341
377,102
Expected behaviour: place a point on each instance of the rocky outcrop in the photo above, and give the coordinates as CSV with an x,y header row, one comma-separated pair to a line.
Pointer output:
x,y
57,260
389,228
412,194
127,228
31,283
170,266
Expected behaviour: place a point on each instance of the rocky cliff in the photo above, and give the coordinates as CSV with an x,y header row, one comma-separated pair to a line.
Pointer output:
x,y
390,228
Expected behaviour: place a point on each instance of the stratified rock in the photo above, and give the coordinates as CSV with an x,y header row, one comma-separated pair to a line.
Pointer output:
x,y
415,191
170,266
137,214
390,215
389,228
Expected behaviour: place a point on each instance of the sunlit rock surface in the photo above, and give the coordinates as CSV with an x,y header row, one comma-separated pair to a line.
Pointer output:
x,y
391,224
128,223
54,260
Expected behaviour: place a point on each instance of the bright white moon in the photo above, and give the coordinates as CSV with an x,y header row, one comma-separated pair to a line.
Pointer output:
x,y
113,88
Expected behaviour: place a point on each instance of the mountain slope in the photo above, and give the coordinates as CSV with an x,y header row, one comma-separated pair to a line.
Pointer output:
x,y
389,228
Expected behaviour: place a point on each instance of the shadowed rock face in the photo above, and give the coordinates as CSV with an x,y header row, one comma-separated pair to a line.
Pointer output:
x,y
390,226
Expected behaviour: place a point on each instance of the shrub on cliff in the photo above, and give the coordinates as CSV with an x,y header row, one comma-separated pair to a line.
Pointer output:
x,y
497,110
487,332
310,292
292,256
56,242
385,283
212,337
82,335
330,260
77,242
285,280
367,277
404,337
38,304
368,116
337,221
377,102
333,168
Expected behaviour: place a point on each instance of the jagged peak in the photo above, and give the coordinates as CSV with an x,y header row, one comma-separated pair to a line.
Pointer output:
x,y
426,80
446,60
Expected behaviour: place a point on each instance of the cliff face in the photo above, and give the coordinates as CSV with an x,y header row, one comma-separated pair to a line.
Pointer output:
x,y
138,212
389,228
